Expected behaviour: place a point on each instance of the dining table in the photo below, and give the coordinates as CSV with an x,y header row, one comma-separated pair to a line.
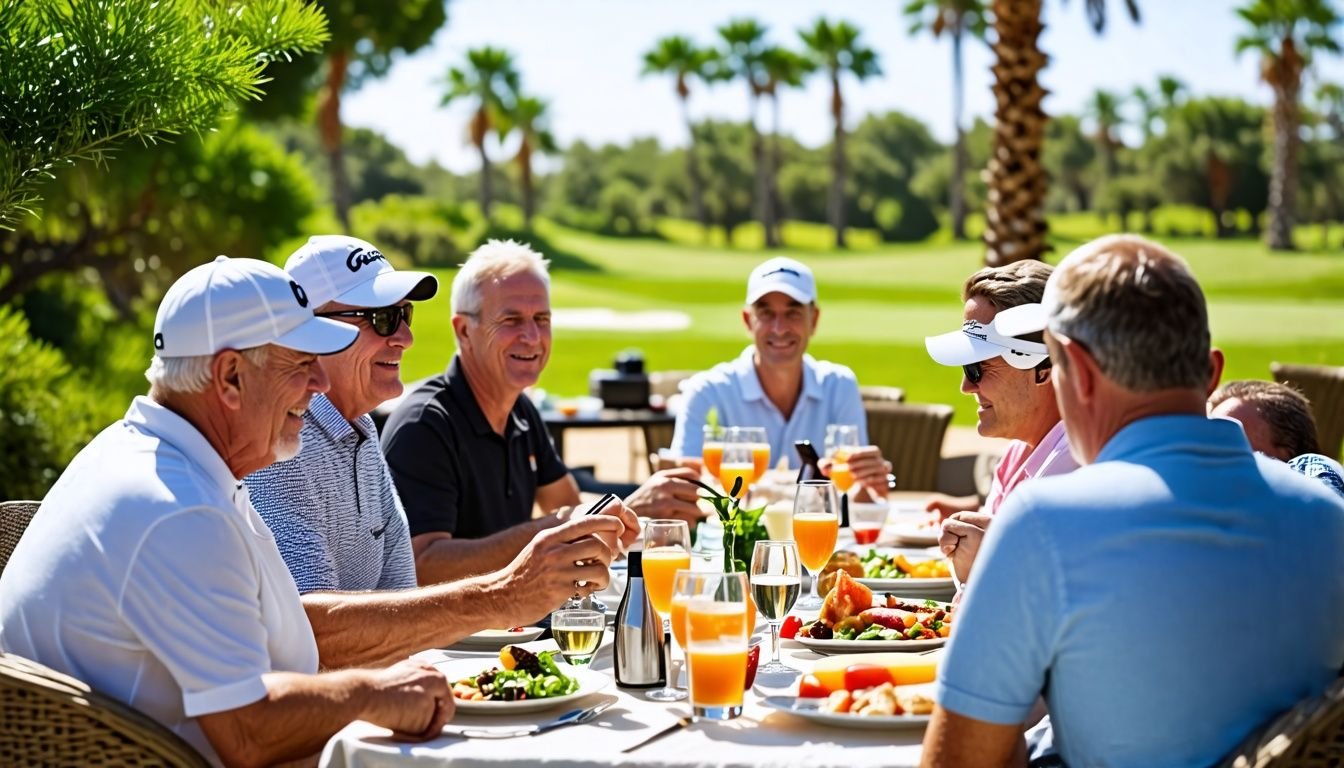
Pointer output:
x,y
761,736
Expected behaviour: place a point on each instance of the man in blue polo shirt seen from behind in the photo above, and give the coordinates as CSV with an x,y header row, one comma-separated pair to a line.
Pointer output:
x,y
1148,595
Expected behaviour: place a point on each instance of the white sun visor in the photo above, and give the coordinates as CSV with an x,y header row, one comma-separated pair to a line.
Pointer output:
x,y
977,342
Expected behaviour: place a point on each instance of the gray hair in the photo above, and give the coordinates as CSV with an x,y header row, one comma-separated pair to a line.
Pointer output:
x,y
1284,409
191,375
1138,310
494,260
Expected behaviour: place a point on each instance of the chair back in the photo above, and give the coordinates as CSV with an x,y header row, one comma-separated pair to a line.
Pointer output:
x,y
1310,735
882,394
14,519
51,719
1324,386
657,437
911,438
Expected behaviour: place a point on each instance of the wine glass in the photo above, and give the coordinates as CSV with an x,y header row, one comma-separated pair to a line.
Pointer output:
x,y
760,451
667,549
776,580
816,524
711,451
841,439
737,463
578,633
712,611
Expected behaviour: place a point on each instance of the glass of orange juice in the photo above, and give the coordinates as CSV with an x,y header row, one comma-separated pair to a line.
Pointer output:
x,y
840,440
760,451
716,641
667,549
816,524
737,464
711,450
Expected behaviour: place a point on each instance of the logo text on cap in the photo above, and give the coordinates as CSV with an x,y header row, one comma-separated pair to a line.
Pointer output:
x,y
360,257
158,341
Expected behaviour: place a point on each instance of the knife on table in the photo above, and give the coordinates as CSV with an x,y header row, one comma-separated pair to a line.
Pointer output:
x,y
572,717
682,722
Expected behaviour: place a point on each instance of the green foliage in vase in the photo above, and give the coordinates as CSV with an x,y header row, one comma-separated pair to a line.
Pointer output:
x,y
742,528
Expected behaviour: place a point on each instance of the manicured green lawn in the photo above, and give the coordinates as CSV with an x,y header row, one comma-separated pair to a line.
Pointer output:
x,y
878,303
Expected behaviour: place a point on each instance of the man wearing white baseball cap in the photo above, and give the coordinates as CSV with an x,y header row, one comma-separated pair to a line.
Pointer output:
x,y
1009,376
338,520
148,574
775,384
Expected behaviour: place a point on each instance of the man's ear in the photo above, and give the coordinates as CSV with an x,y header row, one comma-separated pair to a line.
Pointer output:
x,y
460,330
226,378
1216,362
746,318
1083,373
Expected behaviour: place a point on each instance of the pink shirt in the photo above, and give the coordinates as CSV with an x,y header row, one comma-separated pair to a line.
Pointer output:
x,y
1020,463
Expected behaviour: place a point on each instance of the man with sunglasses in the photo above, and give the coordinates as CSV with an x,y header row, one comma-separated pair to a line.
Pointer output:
x,y
338,520
1010,380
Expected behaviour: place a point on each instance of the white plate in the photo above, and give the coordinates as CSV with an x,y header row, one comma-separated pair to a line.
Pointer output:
x,y
590,682
831,647
809,709
910,586
495,639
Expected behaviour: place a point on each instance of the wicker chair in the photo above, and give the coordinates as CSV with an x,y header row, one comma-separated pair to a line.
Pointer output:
x,y
14,518
657,436
882,394
1324,387
1310,735
50,719
911,438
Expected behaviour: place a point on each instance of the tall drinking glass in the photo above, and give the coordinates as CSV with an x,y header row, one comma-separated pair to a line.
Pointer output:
x,y
716,641
711,450
776,580
760,451
816,524
737,463
841,439
667,549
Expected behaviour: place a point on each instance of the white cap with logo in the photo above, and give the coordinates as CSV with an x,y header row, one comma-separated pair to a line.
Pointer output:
x,y
977,342
240,304
354,272
787,276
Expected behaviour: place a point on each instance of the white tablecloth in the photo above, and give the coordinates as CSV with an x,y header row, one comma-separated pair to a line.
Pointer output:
x,y
761,737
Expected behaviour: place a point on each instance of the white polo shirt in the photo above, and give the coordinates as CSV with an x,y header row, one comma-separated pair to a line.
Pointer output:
x,y
148,574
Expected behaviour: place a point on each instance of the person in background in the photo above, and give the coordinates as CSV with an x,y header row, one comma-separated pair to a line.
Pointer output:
x,y
1170,508
1278,423
1009,377
775,384
335,514
468,451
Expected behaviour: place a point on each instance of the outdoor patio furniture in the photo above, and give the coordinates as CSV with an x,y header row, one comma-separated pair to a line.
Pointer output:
x,y
1324,387
668,383
882,394
657,437
51,719
14,519
911,438
1310,735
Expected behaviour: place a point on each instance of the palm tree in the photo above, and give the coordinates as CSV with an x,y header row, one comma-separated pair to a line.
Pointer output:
x,y
745,40
1171,89
1104,109
527,117
1148,110
491,78
782,68
957,18
1015,220
1286,33
1330,97
681,57
836,49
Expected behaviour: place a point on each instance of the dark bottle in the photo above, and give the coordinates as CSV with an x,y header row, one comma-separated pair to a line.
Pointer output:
x,y
638,651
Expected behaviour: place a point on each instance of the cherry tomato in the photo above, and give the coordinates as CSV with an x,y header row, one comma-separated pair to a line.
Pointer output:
x,y
810,688
789,629
861,676
753,661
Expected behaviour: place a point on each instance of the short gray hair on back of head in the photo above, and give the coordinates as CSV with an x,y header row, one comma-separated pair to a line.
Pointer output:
x,y
191,375
494,260
1138,310
1286,411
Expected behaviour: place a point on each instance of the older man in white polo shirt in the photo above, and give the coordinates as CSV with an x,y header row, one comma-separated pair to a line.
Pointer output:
x,y
147,572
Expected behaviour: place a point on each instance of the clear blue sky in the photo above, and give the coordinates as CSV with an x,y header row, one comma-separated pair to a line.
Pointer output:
x,y
585,56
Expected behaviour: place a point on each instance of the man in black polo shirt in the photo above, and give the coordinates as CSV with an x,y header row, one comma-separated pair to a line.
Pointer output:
x,y
469,453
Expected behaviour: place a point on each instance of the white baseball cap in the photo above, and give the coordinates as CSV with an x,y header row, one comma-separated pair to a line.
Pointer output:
x,y
240,304
977,342
787,276
352,271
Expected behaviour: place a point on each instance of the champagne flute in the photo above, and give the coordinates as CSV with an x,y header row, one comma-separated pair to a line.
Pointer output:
x,y
578,633
816,524
842,438
760,451
715,640
667,549
737,463
776,580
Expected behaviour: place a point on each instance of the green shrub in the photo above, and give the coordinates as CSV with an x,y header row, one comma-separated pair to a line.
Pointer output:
x,y
422,231
45,416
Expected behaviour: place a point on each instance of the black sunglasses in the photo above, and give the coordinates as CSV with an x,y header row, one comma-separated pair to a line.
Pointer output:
x,y
385,320
973,372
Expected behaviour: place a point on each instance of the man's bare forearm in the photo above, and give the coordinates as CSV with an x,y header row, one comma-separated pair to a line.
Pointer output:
x,y
447,559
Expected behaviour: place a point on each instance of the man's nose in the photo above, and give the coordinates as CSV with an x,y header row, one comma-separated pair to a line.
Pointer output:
x,y
318,381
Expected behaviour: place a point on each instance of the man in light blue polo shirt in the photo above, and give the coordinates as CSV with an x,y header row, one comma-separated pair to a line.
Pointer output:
x,y
775,384
1146,595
